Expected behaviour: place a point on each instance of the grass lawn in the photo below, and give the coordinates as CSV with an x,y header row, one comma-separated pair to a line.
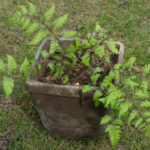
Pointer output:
x,y
127,21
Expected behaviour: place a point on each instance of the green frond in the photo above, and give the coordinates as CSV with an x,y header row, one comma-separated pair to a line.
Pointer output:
x,y
124,108
32,28
97,70
52,67
78,43
132,116
60,21
15,18
114,134
100,51
94,78
138,122
148,120
86,88
141,94
116,94
112,47
131,62
54,46
23,9
145,104
39,37
93,41
73,57
8,85
85,44
102,100
49,14
129,83
44,53
86,59
147,114
69,34
26,24
119,122
146,69
66,79
2,69
32,9
105,119
24,69
97,95
144,86
11,63
97,27
117,66
147,131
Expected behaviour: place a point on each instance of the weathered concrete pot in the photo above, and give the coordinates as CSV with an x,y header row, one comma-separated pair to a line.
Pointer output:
x,y
62,109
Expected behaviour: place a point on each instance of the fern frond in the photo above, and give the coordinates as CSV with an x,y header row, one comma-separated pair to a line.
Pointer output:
x,y
100,51
41,35
44,53
112,47
94,78
69,34
32,28
146,69
147,131
147,114
54,46
86,88
49,14
116,94
114,134
119,122
148,120
97,95
32,9
138,122
124,108
132,116
66,79
144,86
129,83
24,69
86,59
26,24
145,104
60,21
105,119
131,62
2,69
11,63
141,94
23,9
85,44
8,85
52,67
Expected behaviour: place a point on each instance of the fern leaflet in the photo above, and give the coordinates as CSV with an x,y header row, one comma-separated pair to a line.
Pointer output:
x,y
49,14
8,85
114,134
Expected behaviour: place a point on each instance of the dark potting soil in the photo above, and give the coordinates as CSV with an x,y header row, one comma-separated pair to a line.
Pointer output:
x,y
81,74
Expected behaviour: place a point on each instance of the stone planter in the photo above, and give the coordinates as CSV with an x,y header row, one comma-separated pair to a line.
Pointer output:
x,y
62,108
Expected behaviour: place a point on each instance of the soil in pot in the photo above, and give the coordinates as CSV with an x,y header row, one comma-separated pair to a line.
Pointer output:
x,y
81,74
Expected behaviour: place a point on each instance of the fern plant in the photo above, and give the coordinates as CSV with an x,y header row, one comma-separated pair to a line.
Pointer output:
x,y
120,100
8,71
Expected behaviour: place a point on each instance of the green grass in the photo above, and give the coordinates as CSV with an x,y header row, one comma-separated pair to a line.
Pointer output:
x,y
127,21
